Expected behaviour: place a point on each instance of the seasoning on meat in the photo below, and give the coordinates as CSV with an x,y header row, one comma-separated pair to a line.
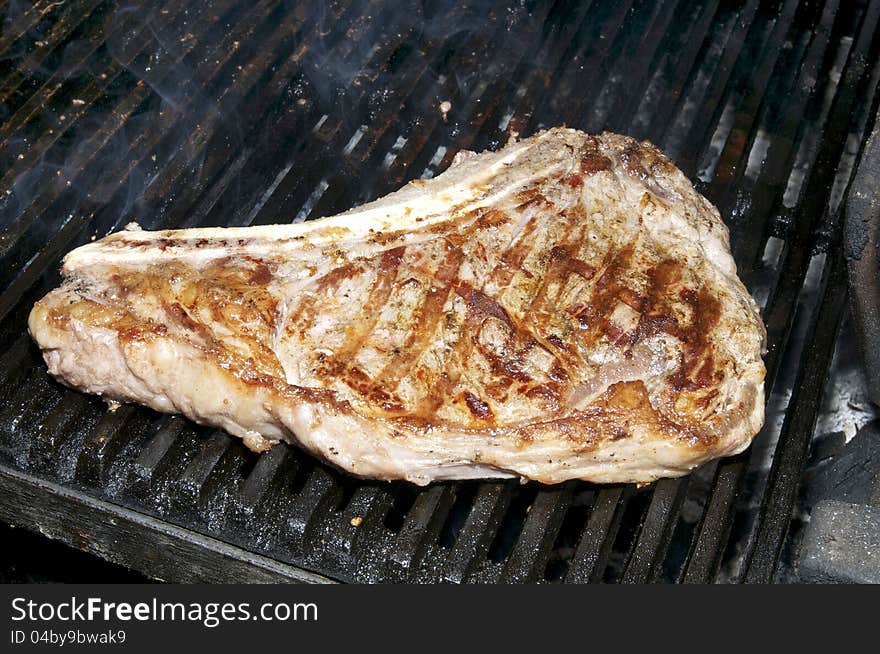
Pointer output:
x,y
566,307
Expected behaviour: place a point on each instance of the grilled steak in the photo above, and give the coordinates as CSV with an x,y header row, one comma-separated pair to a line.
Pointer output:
x,y
566,307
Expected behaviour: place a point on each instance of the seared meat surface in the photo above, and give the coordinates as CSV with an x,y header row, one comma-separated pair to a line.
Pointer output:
x,y
566,307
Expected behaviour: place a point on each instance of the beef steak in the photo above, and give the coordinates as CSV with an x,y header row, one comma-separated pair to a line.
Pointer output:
x,y
566,307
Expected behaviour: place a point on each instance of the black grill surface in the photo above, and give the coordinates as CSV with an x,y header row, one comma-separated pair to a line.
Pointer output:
x,y
183,114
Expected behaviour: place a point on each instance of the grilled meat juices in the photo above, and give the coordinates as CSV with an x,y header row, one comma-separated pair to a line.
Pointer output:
x,y
564,308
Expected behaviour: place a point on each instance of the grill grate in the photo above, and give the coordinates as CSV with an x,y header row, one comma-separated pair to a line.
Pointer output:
x,y
187,114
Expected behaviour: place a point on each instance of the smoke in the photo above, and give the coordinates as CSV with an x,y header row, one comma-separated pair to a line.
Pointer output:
x,y
134,110
89,115
339,64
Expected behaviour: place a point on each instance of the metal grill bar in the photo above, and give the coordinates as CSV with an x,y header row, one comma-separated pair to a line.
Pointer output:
x,y
590,558
528,556
794,442
420,528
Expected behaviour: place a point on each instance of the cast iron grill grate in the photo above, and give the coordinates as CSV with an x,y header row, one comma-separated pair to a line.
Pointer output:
x,y
183,114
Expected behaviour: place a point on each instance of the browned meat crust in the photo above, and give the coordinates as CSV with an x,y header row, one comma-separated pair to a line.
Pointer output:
x,y
572,312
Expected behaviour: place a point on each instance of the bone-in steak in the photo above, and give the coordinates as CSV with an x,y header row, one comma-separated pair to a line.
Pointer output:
x,y
566,307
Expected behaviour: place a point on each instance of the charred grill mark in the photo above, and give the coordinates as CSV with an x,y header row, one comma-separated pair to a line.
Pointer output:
x,y
533,196
612,275
335,277
444,384
656,316
557,373
698,366
261,274
304,311
491,218
227,291
583,432
592,160
255,365
424,320
362,325
560,264
511,260
479,409
510,364
574,180
128,327
631,156
562,257
521,247
548,393
592,163
366,387
498,390
608,290
481,306
260,368
220,294
696,370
